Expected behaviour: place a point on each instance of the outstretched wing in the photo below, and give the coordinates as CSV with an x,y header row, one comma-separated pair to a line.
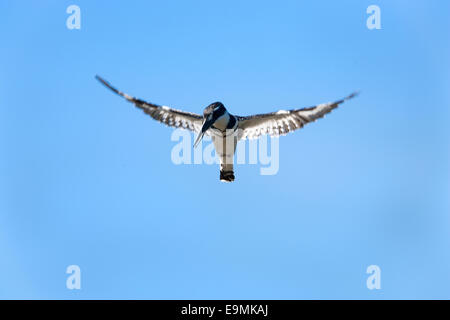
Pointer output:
x,y
284,121
168,116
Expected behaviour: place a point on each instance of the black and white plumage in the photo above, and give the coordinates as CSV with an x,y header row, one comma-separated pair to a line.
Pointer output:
x,y
284,121
226,129
171,117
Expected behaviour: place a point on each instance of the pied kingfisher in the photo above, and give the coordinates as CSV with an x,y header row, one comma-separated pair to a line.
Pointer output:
x,y
221,125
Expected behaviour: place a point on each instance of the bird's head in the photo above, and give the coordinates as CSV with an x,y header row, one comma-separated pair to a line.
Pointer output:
x,y
210,114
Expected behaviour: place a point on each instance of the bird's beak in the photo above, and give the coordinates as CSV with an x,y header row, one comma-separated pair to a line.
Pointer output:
x,y
206,125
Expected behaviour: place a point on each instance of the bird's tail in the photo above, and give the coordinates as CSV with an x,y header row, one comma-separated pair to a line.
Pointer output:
x,y
226,173
225,147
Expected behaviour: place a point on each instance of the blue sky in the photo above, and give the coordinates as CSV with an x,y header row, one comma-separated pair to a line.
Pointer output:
x,y
87,179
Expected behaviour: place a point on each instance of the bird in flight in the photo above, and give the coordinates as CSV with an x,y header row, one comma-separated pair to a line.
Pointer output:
x,y
226,129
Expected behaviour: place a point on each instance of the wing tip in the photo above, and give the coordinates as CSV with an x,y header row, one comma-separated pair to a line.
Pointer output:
x,y
109,86
352,95
103,81
106,83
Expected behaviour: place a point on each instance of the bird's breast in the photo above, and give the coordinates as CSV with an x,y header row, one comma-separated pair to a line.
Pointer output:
x,y
222,122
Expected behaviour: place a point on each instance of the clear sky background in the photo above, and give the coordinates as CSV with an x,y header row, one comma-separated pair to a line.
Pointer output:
x,y
87,179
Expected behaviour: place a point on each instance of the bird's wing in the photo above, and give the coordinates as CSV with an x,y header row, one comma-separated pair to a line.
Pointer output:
x,y
284,121
168,116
